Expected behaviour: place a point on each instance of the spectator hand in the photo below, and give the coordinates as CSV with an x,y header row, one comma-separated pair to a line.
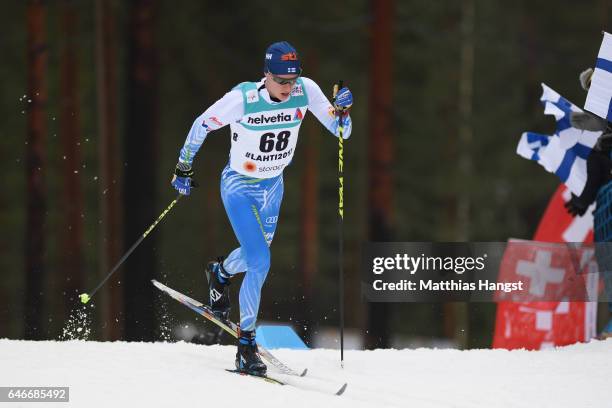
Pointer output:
x,y
585,78
575,207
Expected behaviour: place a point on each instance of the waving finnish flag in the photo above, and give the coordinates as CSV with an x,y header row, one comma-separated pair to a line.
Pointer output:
x,y
599,98
565,152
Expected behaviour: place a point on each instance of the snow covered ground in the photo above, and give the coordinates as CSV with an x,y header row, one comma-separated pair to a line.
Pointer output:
x,y
179,374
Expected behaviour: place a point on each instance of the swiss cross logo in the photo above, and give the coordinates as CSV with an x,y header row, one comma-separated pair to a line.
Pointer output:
x,y
552,310
536,324
550,271
290,56
540,272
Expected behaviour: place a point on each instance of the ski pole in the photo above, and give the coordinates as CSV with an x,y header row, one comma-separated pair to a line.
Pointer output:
x,y
339,112
86,297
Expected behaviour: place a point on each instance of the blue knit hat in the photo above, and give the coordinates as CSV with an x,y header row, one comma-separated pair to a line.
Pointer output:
x,y
282,59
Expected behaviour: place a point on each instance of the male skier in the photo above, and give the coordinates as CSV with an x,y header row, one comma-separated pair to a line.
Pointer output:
x,y
264,119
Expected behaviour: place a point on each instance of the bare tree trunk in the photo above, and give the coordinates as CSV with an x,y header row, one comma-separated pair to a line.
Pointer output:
x,y
380,153
72,200
35,168
466,90
604,6
110,233
458,327
141,175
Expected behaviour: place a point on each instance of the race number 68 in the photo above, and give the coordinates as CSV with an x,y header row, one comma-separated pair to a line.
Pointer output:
x,y
270,141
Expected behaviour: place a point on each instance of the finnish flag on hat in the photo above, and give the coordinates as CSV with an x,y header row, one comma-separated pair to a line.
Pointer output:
x,y
563,153
282,59
599,98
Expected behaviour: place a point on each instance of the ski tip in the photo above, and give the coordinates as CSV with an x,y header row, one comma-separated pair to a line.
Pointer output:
x,y
304,372
342,389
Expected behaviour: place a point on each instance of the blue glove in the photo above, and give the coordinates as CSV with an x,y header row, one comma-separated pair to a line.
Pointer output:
x,y
343,100
182,179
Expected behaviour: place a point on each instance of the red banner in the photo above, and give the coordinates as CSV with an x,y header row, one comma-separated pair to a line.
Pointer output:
x,y
533,324
557,225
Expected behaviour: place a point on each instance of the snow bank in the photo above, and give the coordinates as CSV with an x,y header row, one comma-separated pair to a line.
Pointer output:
x,y
171,374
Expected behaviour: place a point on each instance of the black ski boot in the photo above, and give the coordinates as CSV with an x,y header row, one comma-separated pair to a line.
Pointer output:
x,y
247,357
218,295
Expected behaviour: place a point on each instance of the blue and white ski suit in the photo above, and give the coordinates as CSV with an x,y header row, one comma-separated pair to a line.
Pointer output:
x,y
264,136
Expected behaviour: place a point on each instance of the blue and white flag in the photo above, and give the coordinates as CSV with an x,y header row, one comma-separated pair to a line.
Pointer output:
x,y
599,98
565,152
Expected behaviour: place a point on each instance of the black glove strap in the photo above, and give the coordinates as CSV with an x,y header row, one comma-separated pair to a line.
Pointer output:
x,y
183,170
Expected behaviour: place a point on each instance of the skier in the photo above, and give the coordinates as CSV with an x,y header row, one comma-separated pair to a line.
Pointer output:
x,y
598,188
264,119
